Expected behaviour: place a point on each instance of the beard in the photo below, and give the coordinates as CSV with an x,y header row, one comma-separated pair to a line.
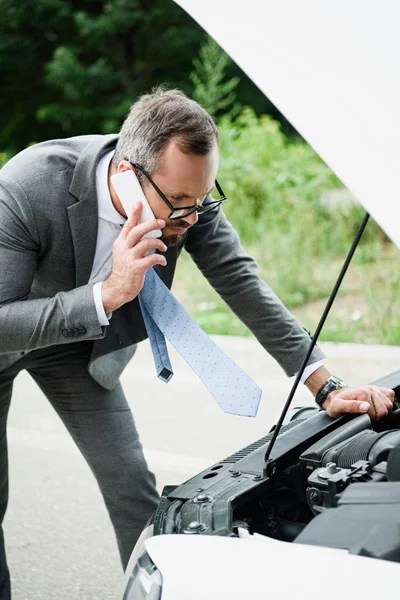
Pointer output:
x,y
171,241
174,239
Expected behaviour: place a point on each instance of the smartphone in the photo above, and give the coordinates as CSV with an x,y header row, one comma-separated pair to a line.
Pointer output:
x,y
129,191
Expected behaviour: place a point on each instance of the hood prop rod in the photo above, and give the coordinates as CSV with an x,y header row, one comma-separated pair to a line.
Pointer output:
x,y
316,335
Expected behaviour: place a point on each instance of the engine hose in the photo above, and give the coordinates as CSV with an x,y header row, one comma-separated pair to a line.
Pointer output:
x,y
367,445
357,449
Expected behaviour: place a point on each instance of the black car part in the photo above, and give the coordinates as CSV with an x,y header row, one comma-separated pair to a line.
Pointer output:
x,y
307,492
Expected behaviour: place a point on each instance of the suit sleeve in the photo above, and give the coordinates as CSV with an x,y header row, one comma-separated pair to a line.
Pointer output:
x,y
31,324
215,248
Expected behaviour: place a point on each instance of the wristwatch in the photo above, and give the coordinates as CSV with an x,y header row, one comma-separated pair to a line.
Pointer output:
x,y
333,383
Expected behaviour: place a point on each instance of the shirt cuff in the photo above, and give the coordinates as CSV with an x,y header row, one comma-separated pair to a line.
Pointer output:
x,y
98,301
309,370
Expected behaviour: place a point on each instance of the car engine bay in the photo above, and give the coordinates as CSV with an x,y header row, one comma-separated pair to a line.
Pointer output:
x,y
327,482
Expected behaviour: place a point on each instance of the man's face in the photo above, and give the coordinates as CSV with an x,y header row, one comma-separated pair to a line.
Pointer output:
x,y
185,180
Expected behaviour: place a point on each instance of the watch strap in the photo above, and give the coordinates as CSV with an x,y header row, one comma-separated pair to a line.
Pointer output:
x,y
333,383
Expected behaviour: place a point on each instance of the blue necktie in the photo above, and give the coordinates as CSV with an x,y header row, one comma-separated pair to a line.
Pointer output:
x,y
165,317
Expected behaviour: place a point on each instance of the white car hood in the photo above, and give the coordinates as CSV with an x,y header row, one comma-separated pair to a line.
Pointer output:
x,y
218,568
332,68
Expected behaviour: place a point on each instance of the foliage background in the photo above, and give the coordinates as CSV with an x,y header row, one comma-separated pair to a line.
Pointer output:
x,y
71,67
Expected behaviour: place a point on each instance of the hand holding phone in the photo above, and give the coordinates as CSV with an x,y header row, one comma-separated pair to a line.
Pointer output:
x,y
133,252
129,191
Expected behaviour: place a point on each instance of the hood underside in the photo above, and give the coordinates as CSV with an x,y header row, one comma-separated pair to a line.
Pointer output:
x,y
332,69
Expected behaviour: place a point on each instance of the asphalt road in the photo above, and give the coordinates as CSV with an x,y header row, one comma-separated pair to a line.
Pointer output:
x,y
59,540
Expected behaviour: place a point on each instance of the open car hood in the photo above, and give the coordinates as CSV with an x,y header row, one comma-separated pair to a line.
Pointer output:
x,y
332,69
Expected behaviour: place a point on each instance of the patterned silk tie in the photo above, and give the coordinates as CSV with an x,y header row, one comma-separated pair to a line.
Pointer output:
x,y
165,317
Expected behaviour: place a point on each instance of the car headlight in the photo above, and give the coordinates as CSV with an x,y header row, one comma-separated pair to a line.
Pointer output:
x,y
143,581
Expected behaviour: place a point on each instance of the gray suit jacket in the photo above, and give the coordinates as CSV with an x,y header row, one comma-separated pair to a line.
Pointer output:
x,y
48,232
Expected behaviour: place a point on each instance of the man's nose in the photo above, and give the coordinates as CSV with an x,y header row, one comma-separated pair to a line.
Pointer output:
x,y
192,219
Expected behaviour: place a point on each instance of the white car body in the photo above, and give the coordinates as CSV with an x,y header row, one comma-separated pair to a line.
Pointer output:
x,y
204,567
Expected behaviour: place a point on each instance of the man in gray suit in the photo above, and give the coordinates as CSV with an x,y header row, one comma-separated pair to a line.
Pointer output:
x,y
72,263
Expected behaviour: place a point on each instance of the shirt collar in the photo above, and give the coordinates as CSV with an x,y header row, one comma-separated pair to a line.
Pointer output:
x,y
106,208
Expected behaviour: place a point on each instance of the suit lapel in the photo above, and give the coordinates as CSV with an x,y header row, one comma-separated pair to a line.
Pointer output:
x,y
83,214
83,220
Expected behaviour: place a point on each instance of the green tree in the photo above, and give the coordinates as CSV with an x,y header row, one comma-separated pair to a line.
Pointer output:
x,y
70,67
28,33
212,89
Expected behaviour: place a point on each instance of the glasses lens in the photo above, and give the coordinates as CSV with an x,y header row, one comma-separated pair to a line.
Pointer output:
x,y
206,207
184,212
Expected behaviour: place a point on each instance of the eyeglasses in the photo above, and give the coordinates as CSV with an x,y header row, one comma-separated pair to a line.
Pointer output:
x,y
206,205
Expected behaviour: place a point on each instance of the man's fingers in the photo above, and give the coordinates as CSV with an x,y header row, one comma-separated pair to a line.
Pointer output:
x,y
375,401
387,402
147,244
136,233
132,220
338,406
388,392
378,402
389,396
381,399
152,260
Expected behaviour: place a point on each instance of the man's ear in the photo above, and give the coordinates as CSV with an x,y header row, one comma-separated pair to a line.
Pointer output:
x,y
125,165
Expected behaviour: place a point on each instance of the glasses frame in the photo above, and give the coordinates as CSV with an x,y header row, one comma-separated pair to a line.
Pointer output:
x,y
201,208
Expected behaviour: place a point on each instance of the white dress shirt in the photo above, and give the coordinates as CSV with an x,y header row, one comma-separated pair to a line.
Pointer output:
x,y
109,228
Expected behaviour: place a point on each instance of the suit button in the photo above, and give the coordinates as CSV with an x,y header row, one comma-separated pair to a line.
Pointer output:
x,y
74,331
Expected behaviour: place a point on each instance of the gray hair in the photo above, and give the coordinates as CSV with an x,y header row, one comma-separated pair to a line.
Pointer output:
x,y
159,117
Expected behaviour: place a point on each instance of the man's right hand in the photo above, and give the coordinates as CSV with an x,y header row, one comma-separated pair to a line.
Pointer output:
x,y
129,260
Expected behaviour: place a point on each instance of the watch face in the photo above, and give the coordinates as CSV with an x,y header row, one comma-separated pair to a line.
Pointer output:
x,y
333,383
